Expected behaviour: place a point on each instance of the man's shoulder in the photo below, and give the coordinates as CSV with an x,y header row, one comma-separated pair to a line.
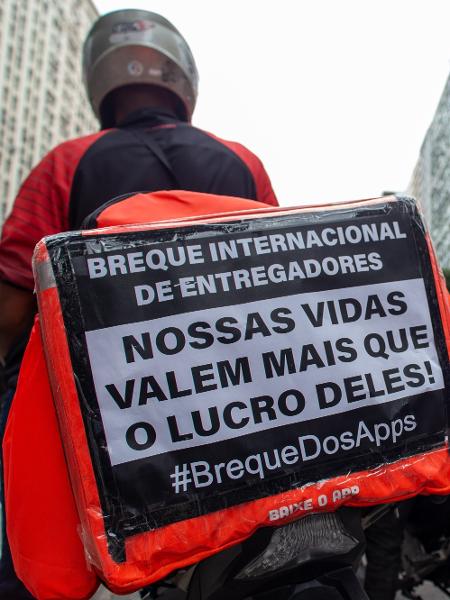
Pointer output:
x,y
62,160
236,147
79,144
239,149
254,164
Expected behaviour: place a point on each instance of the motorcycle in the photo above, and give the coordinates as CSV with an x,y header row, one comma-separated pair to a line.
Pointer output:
x,y
314,558
318,558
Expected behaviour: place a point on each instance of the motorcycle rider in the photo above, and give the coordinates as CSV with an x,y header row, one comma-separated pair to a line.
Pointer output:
x,y
142,84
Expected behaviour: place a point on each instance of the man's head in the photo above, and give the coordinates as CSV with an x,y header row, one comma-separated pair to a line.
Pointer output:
x,y
132,54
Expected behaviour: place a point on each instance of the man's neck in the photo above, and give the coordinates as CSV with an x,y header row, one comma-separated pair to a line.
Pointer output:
x,y
148,114
133,98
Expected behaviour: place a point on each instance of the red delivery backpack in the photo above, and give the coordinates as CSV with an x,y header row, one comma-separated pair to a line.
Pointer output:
x,y
219,372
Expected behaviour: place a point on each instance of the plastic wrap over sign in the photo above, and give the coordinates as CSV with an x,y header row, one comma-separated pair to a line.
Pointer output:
x,y
248,369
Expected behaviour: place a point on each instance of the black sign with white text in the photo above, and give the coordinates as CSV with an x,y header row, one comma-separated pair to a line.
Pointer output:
x,y
227,362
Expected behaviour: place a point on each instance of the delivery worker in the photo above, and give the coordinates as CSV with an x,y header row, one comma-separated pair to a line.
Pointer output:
x,y
142,83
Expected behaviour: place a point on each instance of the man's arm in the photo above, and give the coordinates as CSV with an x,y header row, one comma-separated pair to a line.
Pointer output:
x,y
40,209
17,307
37,211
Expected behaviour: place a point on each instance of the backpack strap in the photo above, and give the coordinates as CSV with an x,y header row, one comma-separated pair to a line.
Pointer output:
x,y
152,145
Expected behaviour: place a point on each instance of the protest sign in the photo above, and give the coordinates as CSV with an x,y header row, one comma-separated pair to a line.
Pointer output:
x,y
220,363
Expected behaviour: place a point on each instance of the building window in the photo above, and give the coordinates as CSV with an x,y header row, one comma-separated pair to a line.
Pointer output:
x,y
50,98
64,124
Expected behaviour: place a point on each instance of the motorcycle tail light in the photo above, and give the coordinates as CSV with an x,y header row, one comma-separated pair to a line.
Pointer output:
x,y
314,537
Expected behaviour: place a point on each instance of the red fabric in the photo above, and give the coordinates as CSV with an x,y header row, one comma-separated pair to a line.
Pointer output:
x,y
42,518
40,209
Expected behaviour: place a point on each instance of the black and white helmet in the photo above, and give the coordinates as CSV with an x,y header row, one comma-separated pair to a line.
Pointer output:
x,y
132,46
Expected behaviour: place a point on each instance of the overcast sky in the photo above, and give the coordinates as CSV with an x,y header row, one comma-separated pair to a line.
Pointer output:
x,y
335,96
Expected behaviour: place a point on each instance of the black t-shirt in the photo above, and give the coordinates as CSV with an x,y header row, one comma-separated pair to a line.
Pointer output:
x,y
153,150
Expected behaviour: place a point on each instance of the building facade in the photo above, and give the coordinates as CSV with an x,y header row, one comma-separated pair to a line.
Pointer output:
x,y
42,98
430,182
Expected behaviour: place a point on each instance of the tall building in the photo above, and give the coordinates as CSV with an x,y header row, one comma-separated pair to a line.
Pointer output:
x,y
42,99
430,181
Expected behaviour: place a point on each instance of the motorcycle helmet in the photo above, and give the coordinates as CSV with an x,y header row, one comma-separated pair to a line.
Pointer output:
x,y
131,46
